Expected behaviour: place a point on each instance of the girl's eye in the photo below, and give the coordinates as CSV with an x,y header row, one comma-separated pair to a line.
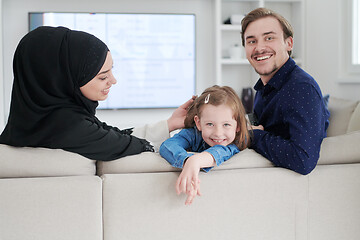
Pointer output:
x,y
209,124
227,125
103,78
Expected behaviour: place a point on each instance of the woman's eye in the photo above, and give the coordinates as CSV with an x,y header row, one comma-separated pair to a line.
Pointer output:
x,y
209,124
227,125
103,78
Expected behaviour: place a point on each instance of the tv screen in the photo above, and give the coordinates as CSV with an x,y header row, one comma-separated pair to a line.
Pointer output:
x,y
154,54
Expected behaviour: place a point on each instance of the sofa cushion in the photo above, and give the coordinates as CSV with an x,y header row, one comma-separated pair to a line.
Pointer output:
x,y
42,162
340,149
354,123
51,208
334,206
153,162
235,204
340,113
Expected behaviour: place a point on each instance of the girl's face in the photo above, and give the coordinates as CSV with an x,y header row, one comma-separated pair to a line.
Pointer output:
x,y
98,88
217,125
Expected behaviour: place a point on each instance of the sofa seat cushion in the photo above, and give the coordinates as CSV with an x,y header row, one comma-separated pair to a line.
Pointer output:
x,y
341,111
354,123
340,149
42,162
147,162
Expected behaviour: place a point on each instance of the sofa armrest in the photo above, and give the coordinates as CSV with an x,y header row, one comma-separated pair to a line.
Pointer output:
x,y
340,149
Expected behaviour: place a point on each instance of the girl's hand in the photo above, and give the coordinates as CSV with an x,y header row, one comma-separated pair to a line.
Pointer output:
x,y
176,120
188,182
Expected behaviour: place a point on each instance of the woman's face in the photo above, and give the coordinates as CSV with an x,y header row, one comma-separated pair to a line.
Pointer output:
x,y
97,89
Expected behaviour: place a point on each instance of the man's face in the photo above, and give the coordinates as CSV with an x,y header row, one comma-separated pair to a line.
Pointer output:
x,y
265,46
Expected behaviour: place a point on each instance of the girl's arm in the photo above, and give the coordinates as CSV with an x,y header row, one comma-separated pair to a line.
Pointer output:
x,y
221,154
188,182
174,149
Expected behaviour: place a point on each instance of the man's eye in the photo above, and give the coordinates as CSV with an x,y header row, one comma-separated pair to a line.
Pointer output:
x,y
269,38
251,42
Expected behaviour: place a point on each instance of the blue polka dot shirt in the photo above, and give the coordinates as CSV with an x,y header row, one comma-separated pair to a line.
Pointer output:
x,y
292,110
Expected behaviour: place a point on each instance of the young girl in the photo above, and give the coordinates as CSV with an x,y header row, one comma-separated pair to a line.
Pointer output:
x,y
215,129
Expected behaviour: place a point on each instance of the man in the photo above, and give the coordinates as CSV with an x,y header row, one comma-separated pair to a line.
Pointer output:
x,y
288,101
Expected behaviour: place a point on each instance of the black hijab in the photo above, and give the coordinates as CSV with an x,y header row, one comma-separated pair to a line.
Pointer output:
x,y
47,107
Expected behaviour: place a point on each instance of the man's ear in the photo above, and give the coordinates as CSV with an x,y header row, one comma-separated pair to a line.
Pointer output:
x,y
197,122
289,43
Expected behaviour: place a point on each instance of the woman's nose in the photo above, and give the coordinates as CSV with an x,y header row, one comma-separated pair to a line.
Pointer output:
x,y
112,79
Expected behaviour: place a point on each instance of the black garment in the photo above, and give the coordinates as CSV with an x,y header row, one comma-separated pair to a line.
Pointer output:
x,y
47,107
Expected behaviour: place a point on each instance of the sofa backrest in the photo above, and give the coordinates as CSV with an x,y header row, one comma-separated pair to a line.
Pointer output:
x,y
42,162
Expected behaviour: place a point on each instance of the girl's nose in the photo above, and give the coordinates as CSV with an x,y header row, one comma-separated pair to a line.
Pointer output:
x,y
218,131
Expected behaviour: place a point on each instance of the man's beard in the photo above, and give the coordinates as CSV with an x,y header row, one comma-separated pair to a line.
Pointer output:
x,y
275,68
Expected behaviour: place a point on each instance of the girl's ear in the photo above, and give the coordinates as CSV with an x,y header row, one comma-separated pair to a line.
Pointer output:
x,y
197,122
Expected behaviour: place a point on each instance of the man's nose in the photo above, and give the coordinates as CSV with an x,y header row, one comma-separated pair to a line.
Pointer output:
x,y
260,46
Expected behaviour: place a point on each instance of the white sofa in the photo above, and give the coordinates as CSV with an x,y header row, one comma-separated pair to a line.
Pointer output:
x,y
52,194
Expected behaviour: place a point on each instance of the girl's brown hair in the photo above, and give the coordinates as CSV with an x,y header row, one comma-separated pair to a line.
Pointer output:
x,y
218,96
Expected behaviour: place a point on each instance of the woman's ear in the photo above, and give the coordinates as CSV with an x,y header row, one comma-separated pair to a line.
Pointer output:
x,y
197,122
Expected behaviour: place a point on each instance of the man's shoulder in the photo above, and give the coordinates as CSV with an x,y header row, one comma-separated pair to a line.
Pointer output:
x,y
300,78
299,75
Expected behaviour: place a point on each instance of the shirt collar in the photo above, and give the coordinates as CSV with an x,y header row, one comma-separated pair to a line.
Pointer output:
x,y
279,79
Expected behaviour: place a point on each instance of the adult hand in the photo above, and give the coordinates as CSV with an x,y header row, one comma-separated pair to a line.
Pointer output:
x,y
188,181
176,120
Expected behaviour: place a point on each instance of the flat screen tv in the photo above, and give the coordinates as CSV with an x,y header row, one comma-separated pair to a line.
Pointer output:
x,y
154,54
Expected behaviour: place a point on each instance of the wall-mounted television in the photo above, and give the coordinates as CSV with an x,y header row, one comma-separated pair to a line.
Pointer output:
x,y
154,54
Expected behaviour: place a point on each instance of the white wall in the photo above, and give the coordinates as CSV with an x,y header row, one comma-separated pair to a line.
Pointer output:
x,y
322,33
2,102
15,26
323,47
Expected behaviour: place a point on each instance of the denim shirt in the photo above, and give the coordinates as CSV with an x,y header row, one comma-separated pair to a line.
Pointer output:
x,y
291,109
175,149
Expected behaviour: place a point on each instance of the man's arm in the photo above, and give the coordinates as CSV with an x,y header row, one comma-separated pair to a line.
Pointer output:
x,y
306,119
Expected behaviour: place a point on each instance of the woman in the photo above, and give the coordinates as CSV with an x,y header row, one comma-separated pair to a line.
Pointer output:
x,y
59,77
